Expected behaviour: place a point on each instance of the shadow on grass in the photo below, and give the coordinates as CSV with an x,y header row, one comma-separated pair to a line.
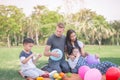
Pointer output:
x,y
12,74
9,74
42,63
114,60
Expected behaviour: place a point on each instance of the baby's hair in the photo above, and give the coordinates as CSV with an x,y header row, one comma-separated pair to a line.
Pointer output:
x,y
74,48
28,40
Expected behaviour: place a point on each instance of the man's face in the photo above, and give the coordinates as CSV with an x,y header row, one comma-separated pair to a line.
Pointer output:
x,y
59,31
28,46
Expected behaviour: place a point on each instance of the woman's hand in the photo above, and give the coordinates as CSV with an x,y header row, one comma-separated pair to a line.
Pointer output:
x,y
97,56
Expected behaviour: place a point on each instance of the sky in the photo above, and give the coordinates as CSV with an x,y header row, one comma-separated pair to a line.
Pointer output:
x,y
110,9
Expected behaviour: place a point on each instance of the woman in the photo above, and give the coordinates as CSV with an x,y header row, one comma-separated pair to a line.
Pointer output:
x,y
71,41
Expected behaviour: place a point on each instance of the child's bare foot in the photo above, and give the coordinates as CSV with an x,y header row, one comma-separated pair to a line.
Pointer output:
x,y
21,74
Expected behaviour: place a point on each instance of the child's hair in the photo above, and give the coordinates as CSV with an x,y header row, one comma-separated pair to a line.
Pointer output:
x,y
28,40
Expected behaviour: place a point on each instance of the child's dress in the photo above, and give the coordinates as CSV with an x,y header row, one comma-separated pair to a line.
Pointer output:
x,y
102,66
73,63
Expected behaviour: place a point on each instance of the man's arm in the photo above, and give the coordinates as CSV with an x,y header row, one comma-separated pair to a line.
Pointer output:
x,y
47,50
48,53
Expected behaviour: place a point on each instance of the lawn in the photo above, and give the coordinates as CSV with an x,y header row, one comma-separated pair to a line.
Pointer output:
x,y
10,64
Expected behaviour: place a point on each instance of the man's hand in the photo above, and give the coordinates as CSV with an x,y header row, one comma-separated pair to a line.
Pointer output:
x,y
55,54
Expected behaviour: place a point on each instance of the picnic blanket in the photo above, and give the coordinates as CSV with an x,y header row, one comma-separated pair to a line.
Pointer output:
x,y
75,77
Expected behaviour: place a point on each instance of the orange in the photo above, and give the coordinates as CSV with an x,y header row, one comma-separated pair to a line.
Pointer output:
x,y
40,78
62,74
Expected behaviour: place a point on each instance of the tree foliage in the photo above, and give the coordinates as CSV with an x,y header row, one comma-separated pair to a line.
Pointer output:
x,y
10,17
90,27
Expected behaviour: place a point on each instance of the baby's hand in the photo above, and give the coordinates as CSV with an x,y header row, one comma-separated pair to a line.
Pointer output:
x,y
72,57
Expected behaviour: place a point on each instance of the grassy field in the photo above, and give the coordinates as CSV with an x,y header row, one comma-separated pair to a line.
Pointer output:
x,y
9,59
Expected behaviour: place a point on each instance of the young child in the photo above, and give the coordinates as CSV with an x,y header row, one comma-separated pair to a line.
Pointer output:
x,y
27,60
73,58
76,61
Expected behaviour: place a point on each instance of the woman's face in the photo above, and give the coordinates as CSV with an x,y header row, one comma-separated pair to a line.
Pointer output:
x,y
73,36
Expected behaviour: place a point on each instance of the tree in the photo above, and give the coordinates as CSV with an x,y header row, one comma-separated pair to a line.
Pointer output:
x,y
49,21
10,17
84,24
92,26
103,29
116,26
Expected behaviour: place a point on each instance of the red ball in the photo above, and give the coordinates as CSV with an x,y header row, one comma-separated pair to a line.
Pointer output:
x,y
112,73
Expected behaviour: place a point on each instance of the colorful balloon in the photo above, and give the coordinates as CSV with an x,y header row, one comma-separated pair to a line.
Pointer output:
x,y
93,74
59,52
91,59
112,73
82,70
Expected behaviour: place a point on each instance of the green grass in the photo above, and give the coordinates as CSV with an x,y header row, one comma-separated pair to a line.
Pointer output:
x,y
9,59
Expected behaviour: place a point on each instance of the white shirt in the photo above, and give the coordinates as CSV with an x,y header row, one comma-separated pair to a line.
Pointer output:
x,y
27,65
73,63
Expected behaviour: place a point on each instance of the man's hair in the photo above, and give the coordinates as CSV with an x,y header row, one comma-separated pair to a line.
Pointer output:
x,y
28,40
61,25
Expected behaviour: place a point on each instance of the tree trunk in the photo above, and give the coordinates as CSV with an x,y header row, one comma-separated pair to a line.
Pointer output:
x,y
31,35
8,41
118,39
15,37
36,38
17,40
99,42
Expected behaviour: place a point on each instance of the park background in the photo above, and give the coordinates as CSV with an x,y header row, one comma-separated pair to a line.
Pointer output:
x,y
97,24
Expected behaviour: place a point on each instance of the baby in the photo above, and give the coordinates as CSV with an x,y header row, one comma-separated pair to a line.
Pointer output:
x,y
73,58
75,61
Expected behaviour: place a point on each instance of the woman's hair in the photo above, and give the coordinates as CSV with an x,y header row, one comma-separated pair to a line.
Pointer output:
x,y
68,42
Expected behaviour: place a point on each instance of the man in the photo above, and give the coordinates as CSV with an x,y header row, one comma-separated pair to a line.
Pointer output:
x,y
57,40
